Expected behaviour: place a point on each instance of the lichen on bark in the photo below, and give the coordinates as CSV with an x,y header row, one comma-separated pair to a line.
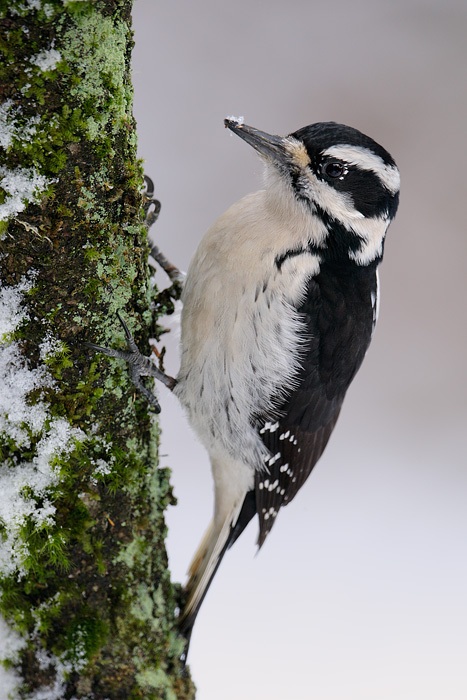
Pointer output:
x,y
84,582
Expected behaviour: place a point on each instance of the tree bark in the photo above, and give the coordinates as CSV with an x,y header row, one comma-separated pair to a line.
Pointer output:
x,y
84,584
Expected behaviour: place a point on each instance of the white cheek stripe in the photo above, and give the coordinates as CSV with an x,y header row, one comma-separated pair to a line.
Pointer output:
x,y
372,231
366,159
339,205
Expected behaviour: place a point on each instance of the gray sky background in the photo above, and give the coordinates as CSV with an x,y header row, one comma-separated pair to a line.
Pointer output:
x,y
360,591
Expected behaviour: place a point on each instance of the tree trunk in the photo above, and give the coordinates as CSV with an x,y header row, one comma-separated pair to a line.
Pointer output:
x,y
84,585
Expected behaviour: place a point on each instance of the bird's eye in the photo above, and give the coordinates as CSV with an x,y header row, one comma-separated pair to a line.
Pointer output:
x,y
332,169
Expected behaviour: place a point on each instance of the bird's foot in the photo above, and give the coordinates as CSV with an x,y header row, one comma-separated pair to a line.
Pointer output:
x,y
139,366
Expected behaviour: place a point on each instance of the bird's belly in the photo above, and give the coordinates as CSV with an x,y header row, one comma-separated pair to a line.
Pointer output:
x,y
242,363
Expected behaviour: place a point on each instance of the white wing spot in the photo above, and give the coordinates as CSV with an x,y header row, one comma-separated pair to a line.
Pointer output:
x,y
270,427
273,486
274,459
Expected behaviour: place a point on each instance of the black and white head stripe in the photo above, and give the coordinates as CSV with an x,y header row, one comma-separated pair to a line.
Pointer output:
x,y
349,182
324,135
365,159
329,140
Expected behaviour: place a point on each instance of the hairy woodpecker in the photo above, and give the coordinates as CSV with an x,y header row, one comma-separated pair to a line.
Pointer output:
x,y
279,306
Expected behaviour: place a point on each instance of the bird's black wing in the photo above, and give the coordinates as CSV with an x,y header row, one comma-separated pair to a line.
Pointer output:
x,y
339,319
295,453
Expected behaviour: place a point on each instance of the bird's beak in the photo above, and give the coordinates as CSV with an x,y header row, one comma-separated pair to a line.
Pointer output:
x,y
268,145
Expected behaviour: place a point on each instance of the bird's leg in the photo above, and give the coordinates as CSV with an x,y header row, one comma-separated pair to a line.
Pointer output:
x,y
176,276
139,366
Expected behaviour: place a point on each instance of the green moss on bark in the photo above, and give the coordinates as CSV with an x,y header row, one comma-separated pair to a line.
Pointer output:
x,y
87,586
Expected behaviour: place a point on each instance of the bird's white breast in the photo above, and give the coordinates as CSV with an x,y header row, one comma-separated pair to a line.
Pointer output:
x,y
241,332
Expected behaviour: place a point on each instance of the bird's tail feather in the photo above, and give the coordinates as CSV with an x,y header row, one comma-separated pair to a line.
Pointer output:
x,y
217,539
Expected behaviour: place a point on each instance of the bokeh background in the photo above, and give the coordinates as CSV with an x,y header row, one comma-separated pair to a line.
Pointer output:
x,y
360,592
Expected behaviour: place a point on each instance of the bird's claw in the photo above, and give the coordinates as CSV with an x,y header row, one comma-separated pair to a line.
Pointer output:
x,y
138,365
148,202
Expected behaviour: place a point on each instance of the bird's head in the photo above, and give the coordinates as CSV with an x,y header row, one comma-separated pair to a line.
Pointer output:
x,y
336,174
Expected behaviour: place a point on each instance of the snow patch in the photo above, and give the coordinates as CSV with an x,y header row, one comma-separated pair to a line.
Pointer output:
x,y
49,10
50,346
10,126
102,467
57,689
239,120
47,60
7,127
11,644
11,312
63,669
17,418
22,186
59,440
25,488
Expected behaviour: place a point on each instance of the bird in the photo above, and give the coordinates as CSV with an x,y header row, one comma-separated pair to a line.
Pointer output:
x,y
280,302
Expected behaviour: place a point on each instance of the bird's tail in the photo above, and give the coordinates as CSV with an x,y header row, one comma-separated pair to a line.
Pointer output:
x,y
220,535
